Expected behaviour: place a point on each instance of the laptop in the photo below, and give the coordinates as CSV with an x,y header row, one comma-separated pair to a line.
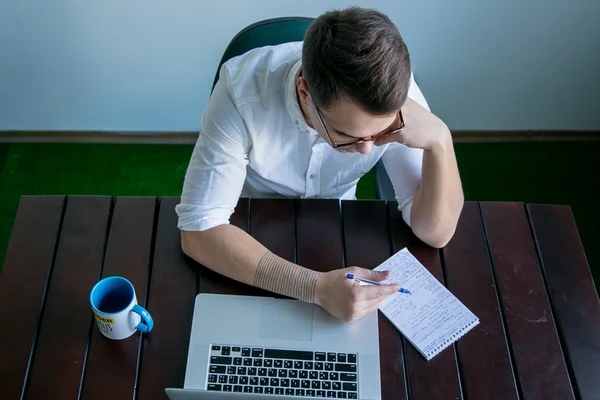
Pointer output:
x,y
262,348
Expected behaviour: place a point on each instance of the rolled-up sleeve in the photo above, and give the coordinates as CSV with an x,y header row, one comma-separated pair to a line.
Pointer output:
x,y
217,168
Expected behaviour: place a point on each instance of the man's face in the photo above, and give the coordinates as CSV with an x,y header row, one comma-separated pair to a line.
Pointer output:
x,y
344,122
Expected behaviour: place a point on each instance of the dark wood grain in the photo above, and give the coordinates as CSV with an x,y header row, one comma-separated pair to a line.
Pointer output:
x,y
367,244
127,255
27,266
59,358
539,361
319,234
172,292
483,352
438,378
571,288
272,223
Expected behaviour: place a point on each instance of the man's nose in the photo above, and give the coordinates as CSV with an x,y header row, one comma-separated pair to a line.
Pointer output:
x,y
364,148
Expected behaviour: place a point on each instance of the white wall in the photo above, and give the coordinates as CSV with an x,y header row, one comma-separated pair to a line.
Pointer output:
x,y
148,65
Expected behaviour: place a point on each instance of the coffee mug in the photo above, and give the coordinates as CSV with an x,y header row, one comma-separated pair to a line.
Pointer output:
x,y
115,307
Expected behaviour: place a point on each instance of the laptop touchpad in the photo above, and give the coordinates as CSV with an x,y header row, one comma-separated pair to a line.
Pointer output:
x,y
286,320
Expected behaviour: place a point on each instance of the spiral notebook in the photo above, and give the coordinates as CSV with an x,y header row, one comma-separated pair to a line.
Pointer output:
x,y
431,318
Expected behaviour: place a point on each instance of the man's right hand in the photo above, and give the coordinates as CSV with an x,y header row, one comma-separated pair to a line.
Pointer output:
x,y
345,298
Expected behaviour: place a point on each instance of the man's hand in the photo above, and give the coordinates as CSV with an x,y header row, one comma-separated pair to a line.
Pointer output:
x,y
345,298
423,129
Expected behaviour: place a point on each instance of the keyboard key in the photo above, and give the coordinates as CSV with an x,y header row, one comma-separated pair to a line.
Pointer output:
x,y
222,378
345,367
288,364
212,386
272,372
313,375
285,382
274,382
308,365
352,395
298,364
225,351
331,357
246,352
247,389
295,383
341,395
241,371
289,392
231,370
289,354
352,358
247,362
268,363
331,395
243,380
326,385
334,376
300,392
237,361
283,373
341,357
212,378
323,376
328,366
305,384
321,393
279,391
227,388
258,389
252,371
278,364
262,372
320,357
269,390
257,353
319,366
257,362
264,381
254,380
293,374
221,360
315,384
217,369
237,388
233,379
349,387
337,385
348,377
236,349
311,393
303,375
215,347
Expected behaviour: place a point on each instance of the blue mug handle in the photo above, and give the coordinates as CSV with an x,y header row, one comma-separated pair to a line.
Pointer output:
x,y
147,322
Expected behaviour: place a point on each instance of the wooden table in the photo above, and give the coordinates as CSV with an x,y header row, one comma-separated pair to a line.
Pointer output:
x,y
520,269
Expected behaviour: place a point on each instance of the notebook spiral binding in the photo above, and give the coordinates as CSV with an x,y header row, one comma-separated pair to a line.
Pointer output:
x,y
452,339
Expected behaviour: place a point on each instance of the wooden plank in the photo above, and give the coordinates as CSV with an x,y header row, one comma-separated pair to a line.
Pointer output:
x,y
272,223
367,244
572,291
319,234
59,358
127,255
536,350
27,267
483,354
172,291
438,378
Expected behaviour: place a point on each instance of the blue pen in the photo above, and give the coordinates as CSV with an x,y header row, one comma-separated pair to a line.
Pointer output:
x,y
351,276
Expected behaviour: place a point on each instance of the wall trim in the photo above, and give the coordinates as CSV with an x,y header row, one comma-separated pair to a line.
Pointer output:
x,y
190,137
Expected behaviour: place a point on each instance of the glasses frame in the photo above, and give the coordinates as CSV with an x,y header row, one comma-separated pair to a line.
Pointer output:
x,y
361,140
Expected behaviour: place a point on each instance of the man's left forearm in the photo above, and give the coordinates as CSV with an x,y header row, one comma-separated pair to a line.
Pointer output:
x,y
439,200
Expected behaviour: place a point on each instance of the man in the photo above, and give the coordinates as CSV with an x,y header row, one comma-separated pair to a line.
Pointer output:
x,y
307,120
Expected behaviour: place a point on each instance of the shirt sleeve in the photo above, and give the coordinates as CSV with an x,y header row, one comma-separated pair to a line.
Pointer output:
x,y
217,168
403,164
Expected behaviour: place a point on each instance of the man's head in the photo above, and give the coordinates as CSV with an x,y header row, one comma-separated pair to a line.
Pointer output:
x,y
356,72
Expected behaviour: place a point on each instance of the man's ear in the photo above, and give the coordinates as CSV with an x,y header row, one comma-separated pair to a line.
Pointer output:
x,y
302,90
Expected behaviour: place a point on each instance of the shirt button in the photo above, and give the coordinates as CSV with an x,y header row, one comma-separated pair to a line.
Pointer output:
x,y
312,176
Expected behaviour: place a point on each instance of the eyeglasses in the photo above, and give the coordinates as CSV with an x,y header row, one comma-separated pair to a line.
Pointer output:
x,y
396,127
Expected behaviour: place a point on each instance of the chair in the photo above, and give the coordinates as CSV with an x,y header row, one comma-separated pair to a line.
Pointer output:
x,y
283,30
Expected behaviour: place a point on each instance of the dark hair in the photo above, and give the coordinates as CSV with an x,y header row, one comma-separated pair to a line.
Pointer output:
x,y
356,52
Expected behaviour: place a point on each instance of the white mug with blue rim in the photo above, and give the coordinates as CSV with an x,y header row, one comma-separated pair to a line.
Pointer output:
x,y
117,312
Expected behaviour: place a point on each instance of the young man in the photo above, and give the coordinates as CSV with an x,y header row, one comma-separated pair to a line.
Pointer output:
x,y
307,120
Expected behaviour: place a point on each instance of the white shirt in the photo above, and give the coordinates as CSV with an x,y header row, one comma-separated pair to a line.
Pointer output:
x,y
254,142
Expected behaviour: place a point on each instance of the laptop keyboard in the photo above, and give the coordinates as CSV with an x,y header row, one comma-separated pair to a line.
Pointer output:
x,y
282,372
